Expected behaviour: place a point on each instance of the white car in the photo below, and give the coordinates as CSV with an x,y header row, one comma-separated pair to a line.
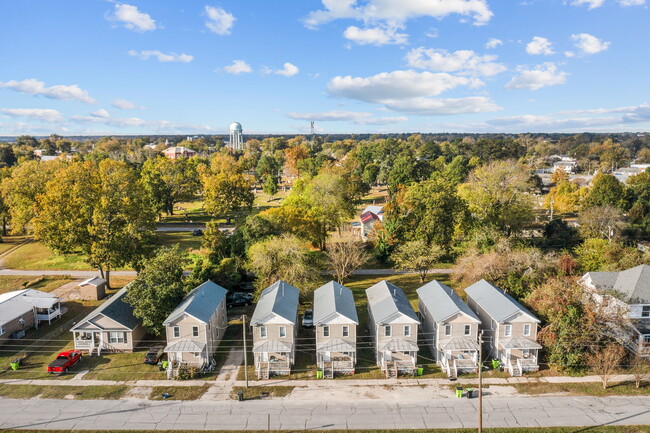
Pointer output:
x,y
308,319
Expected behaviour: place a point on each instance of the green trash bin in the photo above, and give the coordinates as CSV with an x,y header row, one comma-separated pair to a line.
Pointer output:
x,y
165,364
495,364
14,365
319,374
459,391
420,371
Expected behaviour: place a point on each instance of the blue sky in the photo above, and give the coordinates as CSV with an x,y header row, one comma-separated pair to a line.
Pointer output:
x,y
181,67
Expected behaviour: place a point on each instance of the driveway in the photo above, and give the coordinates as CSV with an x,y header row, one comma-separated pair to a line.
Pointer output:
x,y
296,415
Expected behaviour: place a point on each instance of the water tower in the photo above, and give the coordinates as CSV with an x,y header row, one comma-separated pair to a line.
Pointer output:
x,y
236,136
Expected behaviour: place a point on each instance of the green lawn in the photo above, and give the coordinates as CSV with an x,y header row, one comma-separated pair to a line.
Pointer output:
x,y
595,389
35,255
8,242
61,392
122,366
178,392
9,283
256,392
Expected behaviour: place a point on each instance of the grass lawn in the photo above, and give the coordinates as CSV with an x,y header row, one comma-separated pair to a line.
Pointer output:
x,y
256,392
594,389
61,392
122,366
178,392
596,429
8,242
9,283
35,255
187,212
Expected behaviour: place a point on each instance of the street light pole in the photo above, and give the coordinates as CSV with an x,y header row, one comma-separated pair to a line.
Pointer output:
x,y
243,318
480,382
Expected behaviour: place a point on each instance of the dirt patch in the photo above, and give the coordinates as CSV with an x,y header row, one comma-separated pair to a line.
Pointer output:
x,y
138,392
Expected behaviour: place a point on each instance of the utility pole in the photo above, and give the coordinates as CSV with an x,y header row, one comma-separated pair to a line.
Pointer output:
x,y
480,381
243,318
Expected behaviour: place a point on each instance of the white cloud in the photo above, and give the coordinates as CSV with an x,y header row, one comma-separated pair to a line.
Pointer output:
x,y
375,36
150,126
219,21
162,57
238,67
100,113
442,106
40,114
544,75
465,62
539,46
591,4
123,104
569,54
62,92
493,43
631,2
397,12
288,70
589,44
132,18
356,117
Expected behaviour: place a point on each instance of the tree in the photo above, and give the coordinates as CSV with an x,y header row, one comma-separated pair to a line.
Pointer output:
x,y
564,197
497,196
226,187
559,175
216,242
7,156
224,272
606,190
157,289
346,253
284,257
169,181
267,166
640,369
270,186
293,156
591,254
417,256
605,361
601,222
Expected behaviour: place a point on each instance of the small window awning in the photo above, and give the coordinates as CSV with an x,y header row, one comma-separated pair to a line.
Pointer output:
x,y
337,345
277,346
399,345
459,343
519,343
185,346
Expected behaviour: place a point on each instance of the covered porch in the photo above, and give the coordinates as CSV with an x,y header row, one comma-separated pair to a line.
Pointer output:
x,y
189,353
336,356
458,355
46,309
519,355
642,334
273,357
398,356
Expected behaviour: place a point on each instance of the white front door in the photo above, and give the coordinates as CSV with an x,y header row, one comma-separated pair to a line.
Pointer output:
x,y
327,357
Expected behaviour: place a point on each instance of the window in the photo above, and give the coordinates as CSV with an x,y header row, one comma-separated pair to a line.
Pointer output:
x,y
645,311
387,331
407,331
2,329
326,331
527,330
117,337
508,330
195,331
283,331
346,331
493,324
177,331
468,329
646,339
263,331
447,329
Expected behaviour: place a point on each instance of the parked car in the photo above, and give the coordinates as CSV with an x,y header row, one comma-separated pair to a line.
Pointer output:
x,y
64,361
197,232
154,355
308,319
237,300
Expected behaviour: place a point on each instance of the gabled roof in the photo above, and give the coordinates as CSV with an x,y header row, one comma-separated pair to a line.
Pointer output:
x,y
369,216
633,283
374,209
602,280
200,303
94,281
496,303
19,302
443,302
334,300
116,309
388,302
278,301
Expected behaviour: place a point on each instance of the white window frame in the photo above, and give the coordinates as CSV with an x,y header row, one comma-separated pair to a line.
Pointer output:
x,y
117,337
467,330
388,331
195,331
645,311
507,330
646,339
346,331
326,331
527,330
407,330
283,331
263,333
176,331
448,329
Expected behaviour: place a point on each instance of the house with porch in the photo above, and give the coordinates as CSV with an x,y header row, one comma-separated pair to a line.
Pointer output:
x,y
368,218
335,320
450,328
274,328
509,329
111,327
24,309
394,329
626,295
195,328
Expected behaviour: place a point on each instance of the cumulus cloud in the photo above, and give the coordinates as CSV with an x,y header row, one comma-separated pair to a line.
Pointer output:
x,y
288,70
356,117
493,43
150,126
219,21
40,114
631,2
131,18
375,36
543,75
589,44
539,46
593,4
100,113
162,57
442,106
238,67
61,92
397,12
123,104
465,62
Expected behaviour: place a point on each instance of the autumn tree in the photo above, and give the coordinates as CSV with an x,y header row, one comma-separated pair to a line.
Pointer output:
x,y
604,361
417,256
640,369
293,156
564,197
606,190
169,181
227,189
601,222
346,253
559,175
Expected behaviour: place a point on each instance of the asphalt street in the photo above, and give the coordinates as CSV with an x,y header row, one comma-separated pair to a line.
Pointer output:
x,y
291,415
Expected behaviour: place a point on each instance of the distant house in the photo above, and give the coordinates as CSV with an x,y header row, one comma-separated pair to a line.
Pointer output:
x,y
92,289
111,327
24,309
509,329
625,294
368,218
195,328
274,328
450,328
569,166
336,320
394,329
178,152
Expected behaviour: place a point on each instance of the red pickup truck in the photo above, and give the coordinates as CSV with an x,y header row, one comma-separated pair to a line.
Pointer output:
x,y
64,361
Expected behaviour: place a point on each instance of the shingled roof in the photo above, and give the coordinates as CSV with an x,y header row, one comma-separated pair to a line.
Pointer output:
x,y
200,303
116,309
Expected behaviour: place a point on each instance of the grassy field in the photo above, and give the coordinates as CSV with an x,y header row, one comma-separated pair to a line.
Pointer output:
x,y
594,389
122,366
595,429
9,283
256,392
178,392
61,392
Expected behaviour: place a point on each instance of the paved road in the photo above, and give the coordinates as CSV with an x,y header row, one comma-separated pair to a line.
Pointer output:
x,y
289,415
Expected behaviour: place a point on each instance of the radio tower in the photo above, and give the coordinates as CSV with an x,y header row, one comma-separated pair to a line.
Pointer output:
x,y
312,134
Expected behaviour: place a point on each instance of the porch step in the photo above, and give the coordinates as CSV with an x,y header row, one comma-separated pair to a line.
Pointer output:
x,y
516,371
